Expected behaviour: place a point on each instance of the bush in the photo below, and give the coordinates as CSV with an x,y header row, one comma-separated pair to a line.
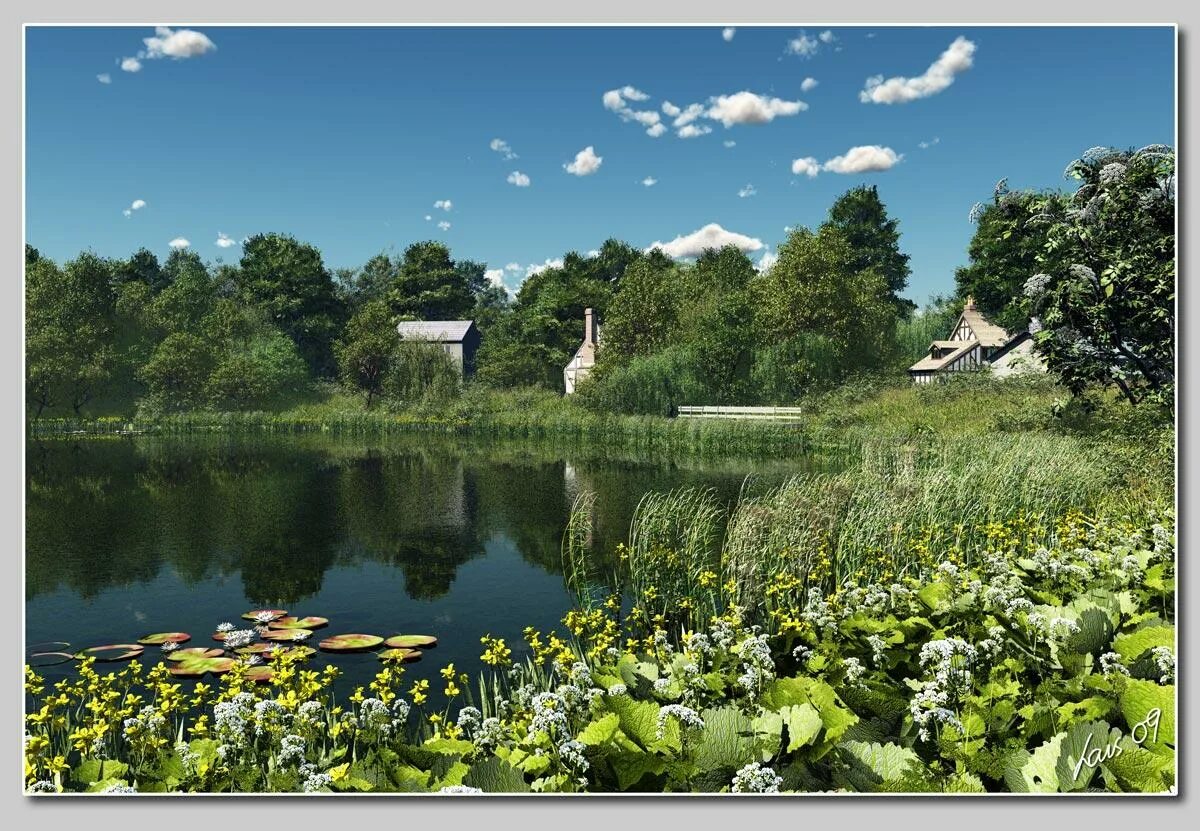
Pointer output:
x,y
422,373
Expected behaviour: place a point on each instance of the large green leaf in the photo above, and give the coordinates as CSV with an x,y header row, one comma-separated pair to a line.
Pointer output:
x,y
638,719
728,739
495,776
1138,705
600,730
632,766
1035,772
1083,746
95,770
1131,645
1141,770
879,767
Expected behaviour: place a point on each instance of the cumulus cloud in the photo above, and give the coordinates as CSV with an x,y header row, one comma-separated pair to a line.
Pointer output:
x,y
131,65
808,166
748,108
748,190
728,32
957,58
864,159
670,109
428,217
519,179
693,130
827,37
808,84
729,143
586,162
104,78
618,100
444,225
495,276
178,44
767,260
539,267
443,204
925,145
803,45
513,267
224,241
649,181
686,115
501,146
136,205
710,236
179,243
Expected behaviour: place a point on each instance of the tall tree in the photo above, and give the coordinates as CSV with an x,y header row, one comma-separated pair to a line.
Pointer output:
x,y
873,236
367,347
143,267
428,285
1105,287
288,279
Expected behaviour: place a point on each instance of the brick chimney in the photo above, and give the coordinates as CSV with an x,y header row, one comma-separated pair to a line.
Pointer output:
x,y
589,326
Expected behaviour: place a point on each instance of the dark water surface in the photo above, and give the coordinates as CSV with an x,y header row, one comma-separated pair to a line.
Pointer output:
x,y
130,536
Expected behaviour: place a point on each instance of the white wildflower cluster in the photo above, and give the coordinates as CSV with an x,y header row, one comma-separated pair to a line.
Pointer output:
x,y
818,612
460,789
550,714
1097,155
1036,285
118,789
950,660
976,212
580,675
991,646
187,757
616,689
756,778
1000,189
722,633
269,714
291,750
1083,272
688,718
801,653
662,642
1110,665
42,786
311,713
1164,540
231,719
662,686
400,711
570,753
148,722
374,718
758,667
854,670
1111,173
316,781
878,649
948,569
1056,566
698,643
489,735
1164,662
469,719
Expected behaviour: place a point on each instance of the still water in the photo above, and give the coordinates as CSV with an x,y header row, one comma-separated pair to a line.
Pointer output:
x,y
418,535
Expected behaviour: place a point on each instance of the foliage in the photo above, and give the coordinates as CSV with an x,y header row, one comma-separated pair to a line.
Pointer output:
x,y
421,372
429,285
862,219
1012,674
365,352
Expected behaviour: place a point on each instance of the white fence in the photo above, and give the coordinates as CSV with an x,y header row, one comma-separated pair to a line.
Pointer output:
x,y
762,413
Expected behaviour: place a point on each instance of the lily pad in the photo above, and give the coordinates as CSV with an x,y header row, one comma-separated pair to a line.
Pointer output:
x,y
255,649
411,642
112,652
165,637
197,667
282,634
280,650
396,653
48,659
350,643
260,674
275,614
299,623
192,653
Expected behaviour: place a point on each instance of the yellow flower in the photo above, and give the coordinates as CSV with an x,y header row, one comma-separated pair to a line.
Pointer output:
x,y
496,653
337,774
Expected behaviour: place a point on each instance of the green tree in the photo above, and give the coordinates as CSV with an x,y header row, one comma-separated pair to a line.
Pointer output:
x,y
1010,235
367,347
1105,288
176,376
143,267
260,370
421,372
429,286
862,218
288,280
644,315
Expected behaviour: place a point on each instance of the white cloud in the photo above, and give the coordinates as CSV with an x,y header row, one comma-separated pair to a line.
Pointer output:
x,y
728,33
593,253
767,260
180,43
865,159
535,269
748,190
443,204
179,243
617,101
224,241
501,146
586,162
687,115
444,225
748,108
104,78
827,36
808,166
131,65
127,212
428,217
670,109
138,204
803,45
957,58
693,130
513,267
495,276
729,143
656,130
925,145
519,179
710,236
649,181
808,84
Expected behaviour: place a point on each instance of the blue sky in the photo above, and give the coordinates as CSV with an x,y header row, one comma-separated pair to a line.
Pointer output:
x,y
347,138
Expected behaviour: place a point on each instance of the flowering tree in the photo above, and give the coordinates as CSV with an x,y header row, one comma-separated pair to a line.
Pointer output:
x,y
1105,290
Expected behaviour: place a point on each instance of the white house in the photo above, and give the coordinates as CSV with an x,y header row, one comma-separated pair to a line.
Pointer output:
x,y
974,343
584,358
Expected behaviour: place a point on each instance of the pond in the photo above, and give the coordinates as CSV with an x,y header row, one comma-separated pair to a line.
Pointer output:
x,y
458,539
